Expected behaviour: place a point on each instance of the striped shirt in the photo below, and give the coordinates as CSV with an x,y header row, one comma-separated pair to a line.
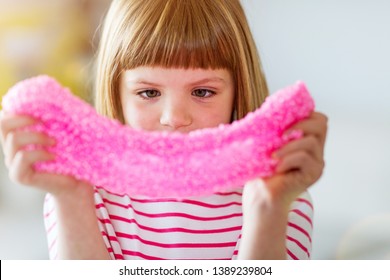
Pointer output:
x,y
193,228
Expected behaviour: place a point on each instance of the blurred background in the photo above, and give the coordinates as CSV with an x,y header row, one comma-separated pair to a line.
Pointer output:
x,y
339,48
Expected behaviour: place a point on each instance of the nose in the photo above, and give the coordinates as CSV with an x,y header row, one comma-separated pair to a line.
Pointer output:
x,y
175,116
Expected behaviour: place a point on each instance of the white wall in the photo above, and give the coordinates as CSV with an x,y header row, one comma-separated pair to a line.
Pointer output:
x,y
340,48
22,234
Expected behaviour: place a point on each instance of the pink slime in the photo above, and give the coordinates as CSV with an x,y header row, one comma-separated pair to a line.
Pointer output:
x,y
106,153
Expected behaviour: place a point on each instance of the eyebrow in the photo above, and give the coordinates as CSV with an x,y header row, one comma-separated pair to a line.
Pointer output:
x,y
208,80
142,81
201,81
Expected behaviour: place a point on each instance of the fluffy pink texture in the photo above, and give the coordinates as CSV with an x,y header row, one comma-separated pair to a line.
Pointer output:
x,y
103,152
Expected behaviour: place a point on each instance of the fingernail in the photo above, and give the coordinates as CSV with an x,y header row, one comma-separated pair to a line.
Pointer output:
x,y
275,155
287,132
292,134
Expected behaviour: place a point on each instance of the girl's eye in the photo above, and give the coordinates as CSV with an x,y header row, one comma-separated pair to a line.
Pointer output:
x,y
149,94
203,93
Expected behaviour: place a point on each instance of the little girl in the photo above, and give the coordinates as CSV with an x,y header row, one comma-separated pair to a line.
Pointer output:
x,y
176,65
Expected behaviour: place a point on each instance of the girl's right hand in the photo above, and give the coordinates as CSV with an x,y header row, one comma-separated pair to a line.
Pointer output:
x,y
79,235
20,162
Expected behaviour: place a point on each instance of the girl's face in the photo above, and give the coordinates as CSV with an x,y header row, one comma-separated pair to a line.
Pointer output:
x,y
175,99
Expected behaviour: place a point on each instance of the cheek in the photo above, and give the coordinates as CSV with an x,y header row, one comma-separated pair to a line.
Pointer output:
x,y
224,113
137,117
215,117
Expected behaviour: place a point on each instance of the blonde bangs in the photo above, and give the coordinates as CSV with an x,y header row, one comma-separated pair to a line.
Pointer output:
x,y
183,35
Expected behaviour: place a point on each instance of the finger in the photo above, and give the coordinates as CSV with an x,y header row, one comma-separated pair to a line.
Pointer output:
x,y
316,124
308,144
17,140
297,161
302,168
21,168
10,122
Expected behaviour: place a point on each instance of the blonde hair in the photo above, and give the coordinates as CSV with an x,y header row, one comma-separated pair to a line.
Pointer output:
x,y
181,34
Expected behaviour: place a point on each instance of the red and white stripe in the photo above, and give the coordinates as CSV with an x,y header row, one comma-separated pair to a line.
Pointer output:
x,y
195,228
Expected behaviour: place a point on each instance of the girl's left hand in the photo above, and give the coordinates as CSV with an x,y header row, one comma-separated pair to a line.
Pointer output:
x,y
266,202
301,162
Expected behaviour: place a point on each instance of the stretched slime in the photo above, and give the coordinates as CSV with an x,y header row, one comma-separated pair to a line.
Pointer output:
x,y
124,160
